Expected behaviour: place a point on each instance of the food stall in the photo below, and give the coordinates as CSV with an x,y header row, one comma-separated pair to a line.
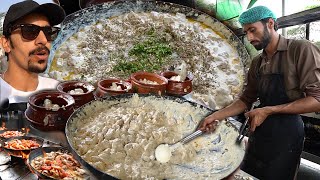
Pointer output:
x,y
84,52
83,47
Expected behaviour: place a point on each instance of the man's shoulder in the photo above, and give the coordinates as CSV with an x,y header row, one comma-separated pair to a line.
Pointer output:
x,y
43,78
257,57
47,83
5,90
4,84
299,43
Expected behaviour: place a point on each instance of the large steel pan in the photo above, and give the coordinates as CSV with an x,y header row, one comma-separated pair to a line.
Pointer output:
x,y
224,170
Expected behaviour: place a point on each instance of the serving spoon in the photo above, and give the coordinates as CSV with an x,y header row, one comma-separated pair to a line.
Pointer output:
x,y
163,152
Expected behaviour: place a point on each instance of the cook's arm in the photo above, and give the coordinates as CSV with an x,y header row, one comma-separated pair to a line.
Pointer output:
x,y
307,57
304,105
233,109
300,106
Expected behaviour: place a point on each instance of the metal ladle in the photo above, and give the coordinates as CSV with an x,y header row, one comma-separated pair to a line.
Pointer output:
x,y
167,149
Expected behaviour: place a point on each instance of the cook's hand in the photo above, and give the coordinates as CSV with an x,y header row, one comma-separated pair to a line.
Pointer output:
x,y
257,116
209,124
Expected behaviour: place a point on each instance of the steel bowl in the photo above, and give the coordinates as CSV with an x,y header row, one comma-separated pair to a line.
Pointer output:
x,y
40,152
21,153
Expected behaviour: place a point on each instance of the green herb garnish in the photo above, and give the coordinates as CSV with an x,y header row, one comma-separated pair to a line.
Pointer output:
x,y
149,55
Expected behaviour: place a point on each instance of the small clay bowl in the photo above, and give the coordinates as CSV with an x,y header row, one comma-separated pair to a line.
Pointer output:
x,y
80,99
140,83
104,87
48,119
178,88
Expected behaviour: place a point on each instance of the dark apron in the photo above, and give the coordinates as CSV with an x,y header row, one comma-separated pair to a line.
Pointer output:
x,y
275,147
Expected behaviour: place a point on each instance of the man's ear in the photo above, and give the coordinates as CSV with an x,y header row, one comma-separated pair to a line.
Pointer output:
x,y
5,43
271,23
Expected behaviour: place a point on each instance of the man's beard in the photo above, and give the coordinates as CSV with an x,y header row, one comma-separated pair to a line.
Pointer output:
x,y
265,39
32,66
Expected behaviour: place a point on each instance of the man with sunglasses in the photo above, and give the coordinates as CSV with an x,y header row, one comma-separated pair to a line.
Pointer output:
x,y
27,36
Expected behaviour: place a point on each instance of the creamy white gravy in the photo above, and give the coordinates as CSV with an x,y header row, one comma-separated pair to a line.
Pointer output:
x,y
91,53
120,139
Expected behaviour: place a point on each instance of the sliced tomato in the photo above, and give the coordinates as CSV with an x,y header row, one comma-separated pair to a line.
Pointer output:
x,y
46,167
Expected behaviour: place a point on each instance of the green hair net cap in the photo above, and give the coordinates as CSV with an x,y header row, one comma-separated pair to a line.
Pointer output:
x,y
255,14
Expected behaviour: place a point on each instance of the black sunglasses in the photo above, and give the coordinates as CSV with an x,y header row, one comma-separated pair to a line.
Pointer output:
x,y
31,31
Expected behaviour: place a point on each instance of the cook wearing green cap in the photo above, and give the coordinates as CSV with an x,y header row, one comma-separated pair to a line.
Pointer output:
x,y
286,79
256,14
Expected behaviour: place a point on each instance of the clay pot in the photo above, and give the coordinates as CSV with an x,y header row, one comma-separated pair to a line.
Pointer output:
x,y
143,87
48,119
178,88
80,99
105,84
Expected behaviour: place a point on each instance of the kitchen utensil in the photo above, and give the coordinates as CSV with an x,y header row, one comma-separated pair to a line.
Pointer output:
x,y
172,147
81,98
23,152
12,132
163,152
48,119
40,152
104,87
244,129
178,88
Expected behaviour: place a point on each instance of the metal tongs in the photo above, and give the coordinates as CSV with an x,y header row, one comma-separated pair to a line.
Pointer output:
x,y
244,129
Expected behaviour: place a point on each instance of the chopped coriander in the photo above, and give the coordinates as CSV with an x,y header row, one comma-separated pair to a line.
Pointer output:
x,y
149,55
